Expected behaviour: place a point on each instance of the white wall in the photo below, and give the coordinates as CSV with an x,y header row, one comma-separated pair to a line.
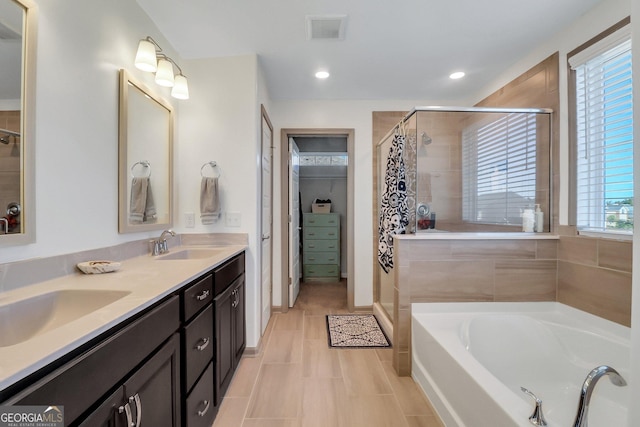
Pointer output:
x,y
221,123
81,46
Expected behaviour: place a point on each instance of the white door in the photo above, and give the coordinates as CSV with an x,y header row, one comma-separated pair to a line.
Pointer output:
x,y
267,138
294,222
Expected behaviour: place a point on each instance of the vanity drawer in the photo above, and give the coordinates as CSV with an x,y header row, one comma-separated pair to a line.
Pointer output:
x,y
197,296
200,407
321,245
321,220
320,257
198,345
320,233
224,275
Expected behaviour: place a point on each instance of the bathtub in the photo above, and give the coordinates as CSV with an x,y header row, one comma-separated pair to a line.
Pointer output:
x,y
471,359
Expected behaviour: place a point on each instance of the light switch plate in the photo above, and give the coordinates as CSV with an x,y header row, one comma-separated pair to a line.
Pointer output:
x,y
190,219
233,219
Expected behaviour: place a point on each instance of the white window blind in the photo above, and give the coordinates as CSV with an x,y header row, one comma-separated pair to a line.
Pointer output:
x,y
604,131
499,169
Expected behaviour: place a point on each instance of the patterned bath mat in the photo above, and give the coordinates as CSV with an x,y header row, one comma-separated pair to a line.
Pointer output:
x,y
355,331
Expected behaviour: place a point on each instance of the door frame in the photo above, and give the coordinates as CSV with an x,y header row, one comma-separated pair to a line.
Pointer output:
x,y
285,134
264,117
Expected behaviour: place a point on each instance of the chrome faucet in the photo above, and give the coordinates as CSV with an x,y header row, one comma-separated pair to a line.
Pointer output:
x,y
587,389
537,417
159,246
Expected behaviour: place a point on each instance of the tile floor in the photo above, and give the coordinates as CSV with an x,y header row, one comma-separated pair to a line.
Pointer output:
x,y
298,381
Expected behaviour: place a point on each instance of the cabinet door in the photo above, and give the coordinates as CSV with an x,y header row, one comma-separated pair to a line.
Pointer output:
x,y
224,312
239,321
108,414
153,390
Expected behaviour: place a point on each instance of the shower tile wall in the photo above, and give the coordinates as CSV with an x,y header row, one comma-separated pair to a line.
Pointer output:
x,y
9,162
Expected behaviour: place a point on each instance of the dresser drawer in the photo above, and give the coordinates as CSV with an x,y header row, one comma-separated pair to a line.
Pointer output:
x,y
321,233
197,296
201,410
321,245
311,270
321,220
320,258
198,345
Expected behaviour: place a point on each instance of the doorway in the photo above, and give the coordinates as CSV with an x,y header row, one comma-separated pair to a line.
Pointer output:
x,y
321,143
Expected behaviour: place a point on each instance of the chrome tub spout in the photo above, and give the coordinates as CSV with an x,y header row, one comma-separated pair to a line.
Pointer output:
x,y
587,390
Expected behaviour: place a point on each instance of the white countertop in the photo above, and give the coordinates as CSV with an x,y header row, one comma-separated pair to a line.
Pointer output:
x,y
146,278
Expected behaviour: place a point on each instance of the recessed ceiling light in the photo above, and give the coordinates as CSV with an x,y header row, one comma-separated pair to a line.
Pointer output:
x,y
322,74
457,75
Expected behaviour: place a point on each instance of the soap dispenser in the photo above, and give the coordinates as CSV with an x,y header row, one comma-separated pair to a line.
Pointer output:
x,y
539,220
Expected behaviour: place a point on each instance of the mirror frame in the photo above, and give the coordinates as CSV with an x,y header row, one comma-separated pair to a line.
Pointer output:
x,y
27,128
124,226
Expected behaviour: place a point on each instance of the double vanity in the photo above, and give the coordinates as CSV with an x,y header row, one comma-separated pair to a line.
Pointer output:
x,y
155,343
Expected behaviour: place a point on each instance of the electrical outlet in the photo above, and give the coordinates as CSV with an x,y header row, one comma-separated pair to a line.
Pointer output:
x,y
190,219
233,219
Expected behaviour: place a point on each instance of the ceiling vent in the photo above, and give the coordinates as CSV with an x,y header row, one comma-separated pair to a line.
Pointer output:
x,y
326,27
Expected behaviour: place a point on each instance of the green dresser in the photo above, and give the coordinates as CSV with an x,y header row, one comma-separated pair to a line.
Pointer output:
x,y
321,247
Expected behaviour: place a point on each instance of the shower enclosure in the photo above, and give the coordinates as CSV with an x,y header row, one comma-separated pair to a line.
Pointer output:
x,y
468,170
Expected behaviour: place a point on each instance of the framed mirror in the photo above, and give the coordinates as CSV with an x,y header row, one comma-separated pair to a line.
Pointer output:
x,y
145,158
17,121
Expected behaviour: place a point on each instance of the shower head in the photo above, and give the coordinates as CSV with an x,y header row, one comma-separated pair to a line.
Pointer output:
x,y
5,140
426,139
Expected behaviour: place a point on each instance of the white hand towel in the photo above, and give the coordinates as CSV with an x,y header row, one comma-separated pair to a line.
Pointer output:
x,y
150,206
209,203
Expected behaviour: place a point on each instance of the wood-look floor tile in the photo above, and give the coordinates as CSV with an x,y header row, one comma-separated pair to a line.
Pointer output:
x,y
285,346
270,422
375,411
290,321
245,377
315,327
324,403
410,398
362,372
278,392
320,361
231,412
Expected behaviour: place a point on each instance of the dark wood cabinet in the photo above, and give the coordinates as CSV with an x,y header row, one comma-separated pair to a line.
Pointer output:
x,y
229,313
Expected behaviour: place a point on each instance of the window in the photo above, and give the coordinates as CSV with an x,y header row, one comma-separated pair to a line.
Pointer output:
x,y
604,134
499,168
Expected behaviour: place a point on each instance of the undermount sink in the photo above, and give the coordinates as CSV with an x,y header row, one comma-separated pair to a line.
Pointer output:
x,y
191,254
24,319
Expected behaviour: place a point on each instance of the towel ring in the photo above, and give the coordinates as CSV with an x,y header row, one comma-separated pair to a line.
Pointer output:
x,y
214,166
145,164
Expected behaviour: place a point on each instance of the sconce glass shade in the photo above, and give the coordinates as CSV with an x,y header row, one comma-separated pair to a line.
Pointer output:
x,y
164,73
180,88
146,56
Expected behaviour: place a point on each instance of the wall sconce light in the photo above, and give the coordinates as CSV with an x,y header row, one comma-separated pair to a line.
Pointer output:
x,y
150,58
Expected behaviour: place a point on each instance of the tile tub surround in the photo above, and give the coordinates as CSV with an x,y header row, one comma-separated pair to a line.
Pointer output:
x,y
591,274
468,267
146,279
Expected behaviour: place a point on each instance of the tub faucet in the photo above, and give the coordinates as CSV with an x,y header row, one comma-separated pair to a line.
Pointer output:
x,y
587,389
537,417
159,246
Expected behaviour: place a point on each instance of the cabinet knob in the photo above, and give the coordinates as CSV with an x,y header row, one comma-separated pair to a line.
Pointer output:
x,y
206,404
202,344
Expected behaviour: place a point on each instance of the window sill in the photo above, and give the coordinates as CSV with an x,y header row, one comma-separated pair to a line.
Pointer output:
x,y
606,234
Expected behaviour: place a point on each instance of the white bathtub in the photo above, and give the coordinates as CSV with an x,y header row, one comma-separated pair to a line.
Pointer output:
x,y
471,359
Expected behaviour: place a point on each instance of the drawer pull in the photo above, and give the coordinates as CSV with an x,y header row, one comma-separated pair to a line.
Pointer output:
x,y
127,409
311,234
312,259
331,234
203,295
202,344
206,404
